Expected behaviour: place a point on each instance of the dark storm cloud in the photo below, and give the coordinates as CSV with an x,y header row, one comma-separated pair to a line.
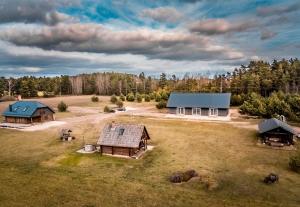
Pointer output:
x,y
278,10
98,39
220,26
267,34
33,11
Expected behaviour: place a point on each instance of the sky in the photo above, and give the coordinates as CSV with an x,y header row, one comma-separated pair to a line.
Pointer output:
x,y
68,37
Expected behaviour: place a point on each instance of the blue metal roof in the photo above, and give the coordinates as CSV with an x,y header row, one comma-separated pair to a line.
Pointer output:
x,y
201,100
24,108
270,124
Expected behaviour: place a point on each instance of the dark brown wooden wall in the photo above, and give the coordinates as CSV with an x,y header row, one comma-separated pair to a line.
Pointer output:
x,y
118,150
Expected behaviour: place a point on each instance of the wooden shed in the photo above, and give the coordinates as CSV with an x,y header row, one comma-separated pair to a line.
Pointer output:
x,y
276,133
26,112
123,139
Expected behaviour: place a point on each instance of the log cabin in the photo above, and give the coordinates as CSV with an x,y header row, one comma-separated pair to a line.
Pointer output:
x,y
123,139
276,133
199,104
27,112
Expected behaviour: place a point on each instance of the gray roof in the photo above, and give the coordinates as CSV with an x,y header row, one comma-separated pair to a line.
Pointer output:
x,y
270,124
201,100
131,137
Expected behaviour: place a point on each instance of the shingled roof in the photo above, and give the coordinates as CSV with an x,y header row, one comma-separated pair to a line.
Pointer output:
x,y
201,100
122,135
270,124
24,109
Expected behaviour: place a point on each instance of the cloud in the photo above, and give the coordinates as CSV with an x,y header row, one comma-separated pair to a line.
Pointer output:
x,y
267,34
31,69
99,39
163,14
34,11
14,59
220,26
277,10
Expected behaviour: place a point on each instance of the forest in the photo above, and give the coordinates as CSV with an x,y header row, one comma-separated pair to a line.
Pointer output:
x,y
259,88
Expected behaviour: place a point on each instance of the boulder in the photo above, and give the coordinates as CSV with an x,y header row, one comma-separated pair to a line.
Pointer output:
x,y
271,178
179,177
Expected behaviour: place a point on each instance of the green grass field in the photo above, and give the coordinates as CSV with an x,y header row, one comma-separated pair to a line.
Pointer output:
x,y
36,169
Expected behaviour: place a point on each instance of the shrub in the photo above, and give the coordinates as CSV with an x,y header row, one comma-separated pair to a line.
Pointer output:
x,y
161,105
236,100
62,107
95,99
122,97
113,99
152,96
294,163
107,109
120,103
139,98
157,98
164,95
147,98
130,97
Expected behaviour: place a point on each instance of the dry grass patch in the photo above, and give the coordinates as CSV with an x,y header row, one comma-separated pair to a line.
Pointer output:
x,y
47,172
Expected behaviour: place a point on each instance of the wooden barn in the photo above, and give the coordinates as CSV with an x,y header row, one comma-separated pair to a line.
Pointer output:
x,y
123,139
276,133
26,112
199,104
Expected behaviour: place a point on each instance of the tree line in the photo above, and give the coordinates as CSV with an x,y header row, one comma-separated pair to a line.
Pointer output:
x,y
257,80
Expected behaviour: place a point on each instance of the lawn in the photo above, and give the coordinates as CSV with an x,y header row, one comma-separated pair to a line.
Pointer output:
x,y
38,170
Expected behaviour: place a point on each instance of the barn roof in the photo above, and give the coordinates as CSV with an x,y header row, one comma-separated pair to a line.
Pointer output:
x,y
270,124
24,109
122,135
201,100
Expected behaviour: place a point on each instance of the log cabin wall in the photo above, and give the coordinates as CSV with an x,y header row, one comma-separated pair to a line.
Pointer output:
x,y
125,151
45,114
19,120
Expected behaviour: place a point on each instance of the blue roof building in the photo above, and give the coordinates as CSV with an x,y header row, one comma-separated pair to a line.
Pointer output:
x,y
28,112
199,104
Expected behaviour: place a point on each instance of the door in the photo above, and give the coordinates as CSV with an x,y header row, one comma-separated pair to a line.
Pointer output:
x,y
180,111
197,111
213,112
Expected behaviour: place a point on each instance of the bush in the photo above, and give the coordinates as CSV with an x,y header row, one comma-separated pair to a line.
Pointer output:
x,y
294,163
95,99
152,96
161,105
107,109
157,98
236,100
119,104
164,95
62,107
139,98
122,97
113,99
130,97
147,98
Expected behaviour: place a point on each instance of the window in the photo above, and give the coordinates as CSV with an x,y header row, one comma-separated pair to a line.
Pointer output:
x,y
180,110
121,131
213,112
196,111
